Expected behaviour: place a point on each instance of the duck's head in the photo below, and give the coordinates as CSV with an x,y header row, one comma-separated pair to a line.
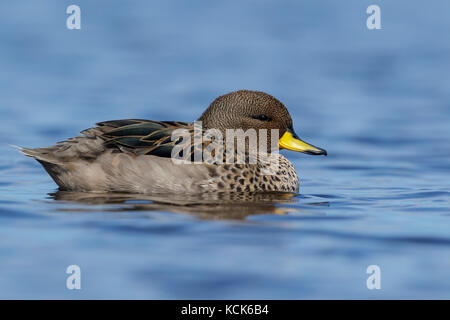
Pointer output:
x,y
246,109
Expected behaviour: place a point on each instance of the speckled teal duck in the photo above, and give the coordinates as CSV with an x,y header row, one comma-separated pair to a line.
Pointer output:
x,y
134,155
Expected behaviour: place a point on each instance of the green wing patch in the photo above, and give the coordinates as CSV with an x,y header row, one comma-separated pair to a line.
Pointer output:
x,y
143,136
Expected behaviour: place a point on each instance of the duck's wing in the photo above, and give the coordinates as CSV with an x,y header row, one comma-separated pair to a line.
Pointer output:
x,y
135,136
142,136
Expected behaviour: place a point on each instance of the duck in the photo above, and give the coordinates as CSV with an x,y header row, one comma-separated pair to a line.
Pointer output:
x,y
137,155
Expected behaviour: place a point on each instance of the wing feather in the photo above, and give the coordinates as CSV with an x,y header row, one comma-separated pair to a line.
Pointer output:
x,y
143,136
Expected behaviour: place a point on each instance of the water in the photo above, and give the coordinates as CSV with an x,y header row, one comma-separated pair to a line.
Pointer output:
x,y
378,101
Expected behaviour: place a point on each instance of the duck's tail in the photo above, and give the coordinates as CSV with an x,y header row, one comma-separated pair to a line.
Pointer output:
x,y
50,163
40,154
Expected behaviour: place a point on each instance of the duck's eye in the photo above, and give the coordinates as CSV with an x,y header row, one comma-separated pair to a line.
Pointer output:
x,y
262,117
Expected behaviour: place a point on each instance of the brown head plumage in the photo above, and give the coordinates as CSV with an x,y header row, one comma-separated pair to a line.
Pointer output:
x,y
245,109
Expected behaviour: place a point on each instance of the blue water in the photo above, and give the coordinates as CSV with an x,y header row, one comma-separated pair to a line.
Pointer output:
x,y
378,101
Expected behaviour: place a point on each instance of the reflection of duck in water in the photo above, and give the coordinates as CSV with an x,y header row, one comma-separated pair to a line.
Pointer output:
x,y
212,205
135,155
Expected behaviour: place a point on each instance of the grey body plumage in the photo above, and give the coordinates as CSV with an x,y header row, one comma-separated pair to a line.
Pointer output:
x,y
133,155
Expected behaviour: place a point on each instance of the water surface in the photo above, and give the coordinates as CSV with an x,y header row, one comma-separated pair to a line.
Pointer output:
x,y
377,101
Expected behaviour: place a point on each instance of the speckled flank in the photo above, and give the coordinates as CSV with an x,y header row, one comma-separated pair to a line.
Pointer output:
x,y
251,178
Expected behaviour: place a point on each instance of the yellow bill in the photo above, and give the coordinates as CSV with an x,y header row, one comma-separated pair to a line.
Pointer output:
x,y
291,141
